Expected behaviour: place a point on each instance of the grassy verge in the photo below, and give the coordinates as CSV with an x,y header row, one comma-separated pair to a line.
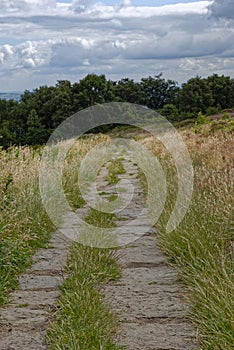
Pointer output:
x,y
202,246
24,225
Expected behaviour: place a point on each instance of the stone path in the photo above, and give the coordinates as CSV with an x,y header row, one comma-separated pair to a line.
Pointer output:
x,y
148,298
23,323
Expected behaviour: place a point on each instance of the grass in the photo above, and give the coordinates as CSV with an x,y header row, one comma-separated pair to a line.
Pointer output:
x,y
100,219
115,168
71,169
112,197
202,245
24,225
83,321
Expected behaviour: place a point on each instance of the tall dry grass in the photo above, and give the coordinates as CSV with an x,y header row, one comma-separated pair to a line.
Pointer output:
x,y
202,246
24,225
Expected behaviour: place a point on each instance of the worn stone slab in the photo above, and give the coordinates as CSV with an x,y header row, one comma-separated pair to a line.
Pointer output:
x,y
34,282
49,259
136,255
131,213
155,303
158,336
23,316
59,241
18,340
138,276
36,299
134,230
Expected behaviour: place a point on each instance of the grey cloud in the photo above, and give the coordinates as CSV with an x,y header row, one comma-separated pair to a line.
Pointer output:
x,y
80,6
14,6
65,54
222,9
77,40
91,42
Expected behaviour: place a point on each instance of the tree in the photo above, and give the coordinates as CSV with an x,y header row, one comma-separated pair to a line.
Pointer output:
x,y
126,90
222,89
91,90
195,96
7,134
8,126
63,104
170,112
36,133
158,91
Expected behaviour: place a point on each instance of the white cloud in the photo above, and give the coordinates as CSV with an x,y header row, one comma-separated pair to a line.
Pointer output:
x,y
15,6
54,41
8,49
127,3
2,57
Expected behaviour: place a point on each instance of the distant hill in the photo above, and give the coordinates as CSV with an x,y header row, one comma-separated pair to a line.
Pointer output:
x,y
10,95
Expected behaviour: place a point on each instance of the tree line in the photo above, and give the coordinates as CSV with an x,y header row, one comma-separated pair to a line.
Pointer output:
x,y
32,119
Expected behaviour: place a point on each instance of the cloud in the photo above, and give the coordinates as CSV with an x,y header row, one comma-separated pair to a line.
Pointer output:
x,y
126,3
14,6
26,55
222,9
80,6
50,41
6,52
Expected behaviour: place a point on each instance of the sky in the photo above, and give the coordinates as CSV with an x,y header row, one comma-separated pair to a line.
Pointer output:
x,y
42,41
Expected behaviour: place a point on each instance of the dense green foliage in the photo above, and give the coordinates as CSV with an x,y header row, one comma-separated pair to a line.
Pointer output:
x,y
38,113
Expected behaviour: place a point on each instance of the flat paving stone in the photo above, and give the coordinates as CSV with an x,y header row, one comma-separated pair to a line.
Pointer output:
x,y
59,241
138,276
31,282
157,303
18,340
136,255
49,259
133,230
35,299
158,336
24,317
148,299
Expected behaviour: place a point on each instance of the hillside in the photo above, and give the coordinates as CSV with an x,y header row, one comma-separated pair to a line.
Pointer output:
x,y
201,247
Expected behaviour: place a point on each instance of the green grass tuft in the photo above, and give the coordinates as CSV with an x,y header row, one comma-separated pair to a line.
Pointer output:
x,y
83,321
